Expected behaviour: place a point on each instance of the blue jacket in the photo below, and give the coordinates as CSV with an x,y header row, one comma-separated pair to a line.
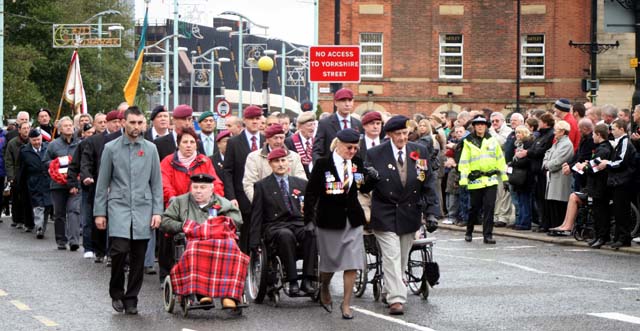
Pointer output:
x,y
3,143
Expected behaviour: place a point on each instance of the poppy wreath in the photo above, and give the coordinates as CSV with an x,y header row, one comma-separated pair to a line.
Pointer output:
x,y
54,171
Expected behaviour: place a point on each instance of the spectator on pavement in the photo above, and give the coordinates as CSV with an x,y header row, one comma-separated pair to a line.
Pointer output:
x,y
558,185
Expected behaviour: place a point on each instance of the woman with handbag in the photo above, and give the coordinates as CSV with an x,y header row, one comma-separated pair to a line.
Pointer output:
x,y
520,180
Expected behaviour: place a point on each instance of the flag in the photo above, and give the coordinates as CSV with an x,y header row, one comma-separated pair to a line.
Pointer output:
x,y
45,135
73,88
131,87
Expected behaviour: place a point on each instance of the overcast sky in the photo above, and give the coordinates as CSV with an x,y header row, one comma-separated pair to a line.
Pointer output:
x,y
291,20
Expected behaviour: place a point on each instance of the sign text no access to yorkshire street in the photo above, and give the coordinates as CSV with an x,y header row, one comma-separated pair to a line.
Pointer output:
x,y
334,64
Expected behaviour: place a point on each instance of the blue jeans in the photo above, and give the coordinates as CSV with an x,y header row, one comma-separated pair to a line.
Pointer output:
x,y
464,204
523,219
86,218
150,254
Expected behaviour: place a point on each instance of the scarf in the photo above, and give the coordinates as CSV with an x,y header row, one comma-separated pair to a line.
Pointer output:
x,y
186,161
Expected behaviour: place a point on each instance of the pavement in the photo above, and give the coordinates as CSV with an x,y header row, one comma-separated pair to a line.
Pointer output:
x,y
538,236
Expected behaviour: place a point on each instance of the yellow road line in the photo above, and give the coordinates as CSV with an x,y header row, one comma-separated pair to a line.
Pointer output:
x,y
45,321
20,305
3,293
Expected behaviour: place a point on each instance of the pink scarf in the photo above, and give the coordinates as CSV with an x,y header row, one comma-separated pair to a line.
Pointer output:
x,y
186,161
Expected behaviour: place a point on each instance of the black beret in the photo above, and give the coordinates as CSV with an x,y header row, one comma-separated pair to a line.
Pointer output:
x,y
158,109
348,135
43,110
87,127
397,122
202,178
34,133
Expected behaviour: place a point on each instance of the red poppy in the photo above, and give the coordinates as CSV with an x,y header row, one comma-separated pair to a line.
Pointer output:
x,y
296,191
140,153
217,207
414,155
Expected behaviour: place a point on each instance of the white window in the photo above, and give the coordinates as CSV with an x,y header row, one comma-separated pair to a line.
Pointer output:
x,y
532,56
371,54
451,56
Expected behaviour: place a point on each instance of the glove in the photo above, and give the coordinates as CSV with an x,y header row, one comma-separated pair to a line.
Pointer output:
x,y
432,223
474,175
372,174
309,227
505,186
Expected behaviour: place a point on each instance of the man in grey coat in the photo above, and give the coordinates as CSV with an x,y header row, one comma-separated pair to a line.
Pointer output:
x,y
129,190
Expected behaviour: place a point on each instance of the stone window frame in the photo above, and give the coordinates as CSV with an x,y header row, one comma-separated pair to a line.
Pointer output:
x,y
371,54
445,54
527,45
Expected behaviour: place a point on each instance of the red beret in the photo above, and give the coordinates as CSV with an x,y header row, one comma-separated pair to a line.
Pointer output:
x,y
370,117
252,111
182,111
273,130
112,115
343,93
120,115
276,154
223,134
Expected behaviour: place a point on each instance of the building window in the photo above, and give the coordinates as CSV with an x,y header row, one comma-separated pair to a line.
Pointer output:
x,y
451,56
371,54
532,56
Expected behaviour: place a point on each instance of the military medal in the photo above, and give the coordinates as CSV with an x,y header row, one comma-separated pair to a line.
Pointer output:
x,y
421,176
329,177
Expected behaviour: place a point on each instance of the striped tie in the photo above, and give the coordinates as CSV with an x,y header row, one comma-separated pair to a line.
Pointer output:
x,y
346,177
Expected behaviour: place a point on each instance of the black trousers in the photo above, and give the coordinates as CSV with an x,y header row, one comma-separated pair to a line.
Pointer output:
x,y
622,213
120,248
245,229
484,200
601,218
21,211
285,237
166,255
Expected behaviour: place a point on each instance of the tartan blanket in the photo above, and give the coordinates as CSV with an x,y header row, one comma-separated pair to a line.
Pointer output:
x,y
212,264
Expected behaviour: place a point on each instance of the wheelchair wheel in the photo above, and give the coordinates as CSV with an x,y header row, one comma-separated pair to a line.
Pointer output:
x,y
276,299
577,233
377,289
252,284
424,290
261,277
361,278
635,221
185,304
415,270
168,295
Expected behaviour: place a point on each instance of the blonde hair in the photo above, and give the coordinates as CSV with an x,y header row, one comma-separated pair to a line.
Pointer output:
x,y
427,123
563,125
524,130
333,145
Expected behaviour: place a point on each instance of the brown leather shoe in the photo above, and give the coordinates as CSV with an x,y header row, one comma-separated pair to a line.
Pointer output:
x,y
228,303
396,309
206,300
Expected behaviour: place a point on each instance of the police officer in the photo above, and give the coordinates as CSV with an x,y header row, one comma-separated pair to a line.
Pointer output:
x,y
481,162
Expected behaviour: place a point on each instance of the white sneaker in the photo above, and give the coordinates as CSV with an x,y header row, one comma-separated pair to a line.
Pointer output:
x,y
89,255
447,221
636,240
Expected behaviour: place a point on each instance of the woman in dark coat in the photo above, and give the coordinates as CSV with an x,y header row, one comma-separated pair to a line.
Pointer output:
x,y
523,192
331,203
34,175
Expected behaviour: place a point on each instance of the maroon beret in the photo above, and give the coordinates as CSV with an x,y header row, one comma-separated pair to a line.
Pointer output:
x,y
223,134
343,93
252,111
370,117
120,115
276,154
273,130
182,111
112,115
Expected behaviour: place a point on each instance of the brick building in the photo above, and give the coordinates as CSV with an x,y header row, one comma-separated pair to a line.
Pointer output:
x,y
427,55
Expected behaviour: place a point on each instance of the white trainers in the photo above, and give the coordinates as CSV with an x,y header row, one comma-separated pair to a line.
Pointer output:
x,y
636,240
447,221
89,255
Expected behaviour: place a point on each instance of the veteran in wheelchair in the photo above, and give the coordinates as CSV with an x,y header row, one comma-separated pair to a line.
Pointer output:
x,y
278,236
212,266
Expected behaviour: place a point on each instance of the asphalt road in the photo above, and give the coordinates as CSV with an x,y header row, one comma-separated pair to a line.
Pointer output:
x,y
515,285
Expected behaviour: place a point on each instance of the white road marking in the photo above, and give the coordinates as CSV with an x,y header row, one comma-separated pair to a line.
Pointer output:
x,y
618,317
525,268
391,319
579,250
3,293
20,305
45,321
630,288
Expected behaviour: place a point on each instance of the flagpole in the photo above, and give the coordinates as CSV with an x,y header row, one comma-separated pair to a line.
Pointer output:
x,y
55,126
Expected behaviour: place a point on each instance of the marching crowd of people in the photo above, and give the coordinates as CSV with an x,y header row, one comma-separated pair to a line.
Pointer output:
x,y
122,186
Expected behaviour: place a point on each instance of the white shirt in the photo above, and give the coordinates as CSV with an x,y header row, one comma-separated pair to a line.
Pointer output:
x,y
249,135
338,161
155,134
368,141
396,150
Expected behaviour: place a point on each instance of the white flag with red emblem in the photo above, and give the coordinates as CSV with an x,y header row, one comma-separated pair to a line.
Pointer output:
x,y
73,89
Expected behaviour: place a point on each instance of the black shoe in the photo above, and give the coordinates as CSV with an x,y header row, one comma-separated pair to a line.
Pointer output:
x,y
597,244
39,233
13,225
499,224
461,224
294,289
618,244
593,241
117,305
131,310
99,259
62,247
307,286
74,247
345,316
490,241
468,238
108,264
149,271
28,230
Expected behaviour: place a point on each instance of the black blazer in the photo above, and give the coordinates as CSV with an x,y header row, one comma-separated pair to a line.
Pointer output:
x,y
269,210
330,211
292,147
90,157
327,130
218,164
397,208
234,159
166,145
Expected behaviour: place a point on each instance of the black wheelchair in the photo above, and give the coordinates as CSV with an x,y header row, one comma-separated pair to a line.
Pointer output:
x,y
421,274
189,301
266,276
584,227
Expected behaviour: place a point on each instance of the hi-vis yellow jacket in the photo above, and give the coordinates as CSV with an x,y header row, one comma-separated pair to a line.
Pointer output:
x,y
486,158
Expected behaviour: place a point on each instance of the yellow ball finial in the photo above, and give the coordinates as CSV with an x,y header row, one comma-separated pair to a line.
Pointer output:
x,y
265,63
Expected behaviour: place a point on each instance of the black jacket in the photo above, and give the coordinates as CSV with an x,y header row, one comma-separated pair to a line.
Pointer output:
x,y
292,147
166,145
523,163
218,164
621,168
597,182
269,210
536,152
327,130
234,159
34,173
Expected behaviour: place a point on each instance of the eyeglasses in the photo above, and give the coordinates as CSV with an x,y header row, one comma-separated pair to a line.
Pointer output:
x,y
495,121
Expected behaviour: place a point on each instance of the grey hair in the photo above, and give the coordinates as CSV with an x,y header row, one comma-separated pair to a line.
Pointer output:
x,y
610,110
64,119
517,116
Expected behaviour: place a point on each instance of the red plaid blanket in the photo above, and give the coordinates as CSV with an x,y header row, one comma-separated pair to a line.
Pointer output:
x,y
212,264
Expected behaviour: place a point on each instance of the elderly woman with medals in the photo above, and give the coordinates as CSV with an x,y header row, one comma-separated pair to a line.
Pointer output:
x,y
331,203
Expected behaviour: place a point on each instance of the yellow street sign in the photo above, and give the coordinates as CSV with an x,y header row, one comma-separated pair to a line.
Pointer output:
x,y
633,62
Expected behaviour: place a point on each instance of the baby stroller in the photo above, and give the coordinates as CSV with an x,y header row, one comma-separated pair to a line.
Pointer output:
x,y
194,275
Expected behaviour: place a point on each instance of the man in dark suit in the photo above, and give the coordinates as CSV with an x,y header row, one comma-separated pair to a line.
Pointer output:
x,y
276,216
328,127
302,141
372,126
218,157
238,147
182,118
160,121
207,125
405,192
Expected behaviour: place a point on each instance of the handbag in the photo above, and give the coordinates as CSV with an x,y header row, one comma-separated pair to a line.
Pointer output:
x,y
517,176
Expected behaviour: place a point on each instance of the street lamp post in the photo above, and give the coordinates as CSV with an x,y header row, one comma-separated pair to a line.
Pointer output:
x,y
265,64
213,63
166,52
